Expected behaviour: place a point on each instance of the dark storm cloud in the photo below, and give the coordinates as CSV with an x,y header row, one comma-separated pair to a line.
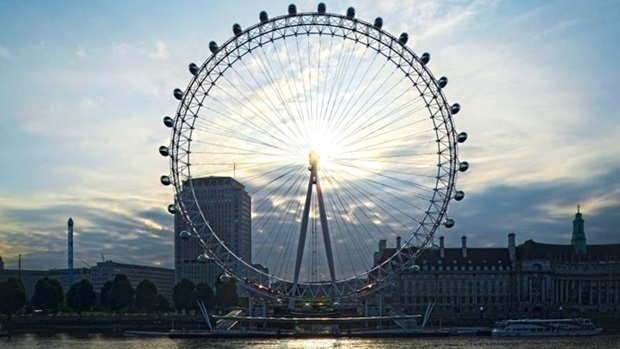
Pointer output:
x,y
139,236
487,217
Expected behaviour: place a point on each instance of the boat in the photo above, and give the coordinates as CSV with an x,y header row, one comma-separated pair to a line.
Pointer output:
x,y
545,327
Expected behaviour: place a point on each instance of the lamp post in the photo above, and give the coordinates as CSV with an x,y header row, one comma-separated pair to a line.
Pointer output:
x,y
481,313
561,311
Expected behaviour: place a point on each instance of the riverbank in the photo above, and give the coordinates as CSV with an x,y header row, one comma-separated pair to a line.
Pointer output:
x,y
103,323
106,323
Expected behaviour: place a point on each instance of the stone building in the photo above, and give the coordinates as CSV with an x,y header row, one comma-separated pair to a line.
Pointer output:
x,y
532,278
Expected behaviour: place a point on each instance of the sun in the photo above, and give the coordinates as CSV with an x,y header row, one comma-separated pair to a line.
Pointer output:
x,y
326,147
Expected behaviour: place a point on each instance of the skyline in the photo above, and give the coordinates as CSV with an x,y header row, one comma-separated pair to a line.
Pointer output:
x,y
83,105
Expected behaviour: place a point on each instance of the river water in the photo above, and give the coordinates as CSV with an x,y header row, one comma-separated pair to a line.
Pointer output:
x,y
100,341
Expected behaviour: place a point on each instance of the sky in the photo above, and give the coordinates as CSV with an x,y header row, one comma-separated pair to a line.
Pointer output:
x,y
84,87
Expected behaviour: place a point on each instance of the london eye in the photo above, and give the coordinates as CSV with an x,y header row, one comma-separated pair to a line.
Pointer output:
x,y
340,134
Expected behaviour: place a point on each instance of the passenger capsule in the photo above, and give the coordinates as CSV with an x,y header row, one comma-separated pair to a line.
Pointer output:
x,y
203,258
237,29
184,234
443,81
321,8
448,223
193,69
463,166
172,209
415,268
351,13
336,305
378,23
224,278
165,180
403,38
163,150
462,137
213,47
425,58
292,10
455,108
459,195
263,16
178,94
168,121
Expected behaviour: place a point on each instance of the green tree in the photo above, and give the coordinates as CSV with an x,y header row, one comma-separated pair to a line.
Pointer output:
x,y
181,295
225,293
81,296
121,295
12,296
146,293
103,294
162,304
48,294
202,292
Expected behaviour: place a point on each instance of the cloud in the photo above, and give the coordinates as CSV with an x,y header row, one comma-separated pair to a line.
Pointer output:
x,y
81,52
541,211
535,92
124,229
161,51
5,53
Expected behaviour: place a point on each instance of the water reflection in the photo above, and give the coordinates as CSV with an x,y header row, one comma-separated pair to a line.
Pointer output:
x,y
48,340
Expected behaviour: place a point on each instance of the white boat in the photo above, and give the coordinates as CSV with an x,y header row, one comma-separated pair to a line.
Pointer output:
x,y
545,327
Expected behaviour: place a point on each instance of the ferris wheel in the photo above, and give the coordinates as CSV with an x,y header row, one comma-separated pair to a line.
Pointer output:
x,y
341,136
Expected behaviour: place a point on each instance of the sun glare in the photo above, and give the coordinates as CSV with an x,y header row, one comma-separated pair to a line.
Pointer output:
x,y
327,145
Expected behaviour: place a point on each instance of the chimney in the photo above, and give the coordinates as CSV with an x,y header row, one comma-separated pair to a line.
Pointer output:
x,y
382,245
442,250
464,246
398,242
512,248
377,255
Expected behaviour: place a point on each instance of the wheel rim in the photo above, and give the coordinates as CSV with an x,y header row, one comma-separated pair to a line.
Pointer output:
x,y
389,171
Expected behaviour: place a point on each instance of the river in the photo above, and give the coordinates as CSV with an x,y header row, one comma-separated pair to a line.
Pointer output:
x,y
101,341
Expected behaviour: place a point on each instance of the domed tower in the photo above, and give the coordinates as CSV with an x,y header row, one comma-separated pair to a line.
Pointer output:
x,y
579,235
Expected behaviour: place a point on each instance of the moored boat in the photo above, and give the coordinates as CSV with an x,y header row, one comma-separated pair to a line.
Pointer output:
x,y
545,327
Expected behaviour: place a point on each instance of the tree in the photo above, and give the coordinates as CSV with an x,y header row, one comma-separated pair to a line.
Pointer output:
x,y
12,296
48,294
81,296
121,295
103,295
225,293
202,292
146,293
162,304
181,294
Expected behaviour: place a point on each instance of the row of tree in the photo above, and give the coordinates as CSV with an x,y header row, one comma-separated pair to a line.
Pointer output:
x,y
117,295
186,295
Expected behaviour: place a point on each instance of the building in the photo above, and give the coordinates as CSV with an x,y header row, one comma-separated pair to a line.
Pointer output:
x,y
456,280
163,278
532,278
29,278
227,207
